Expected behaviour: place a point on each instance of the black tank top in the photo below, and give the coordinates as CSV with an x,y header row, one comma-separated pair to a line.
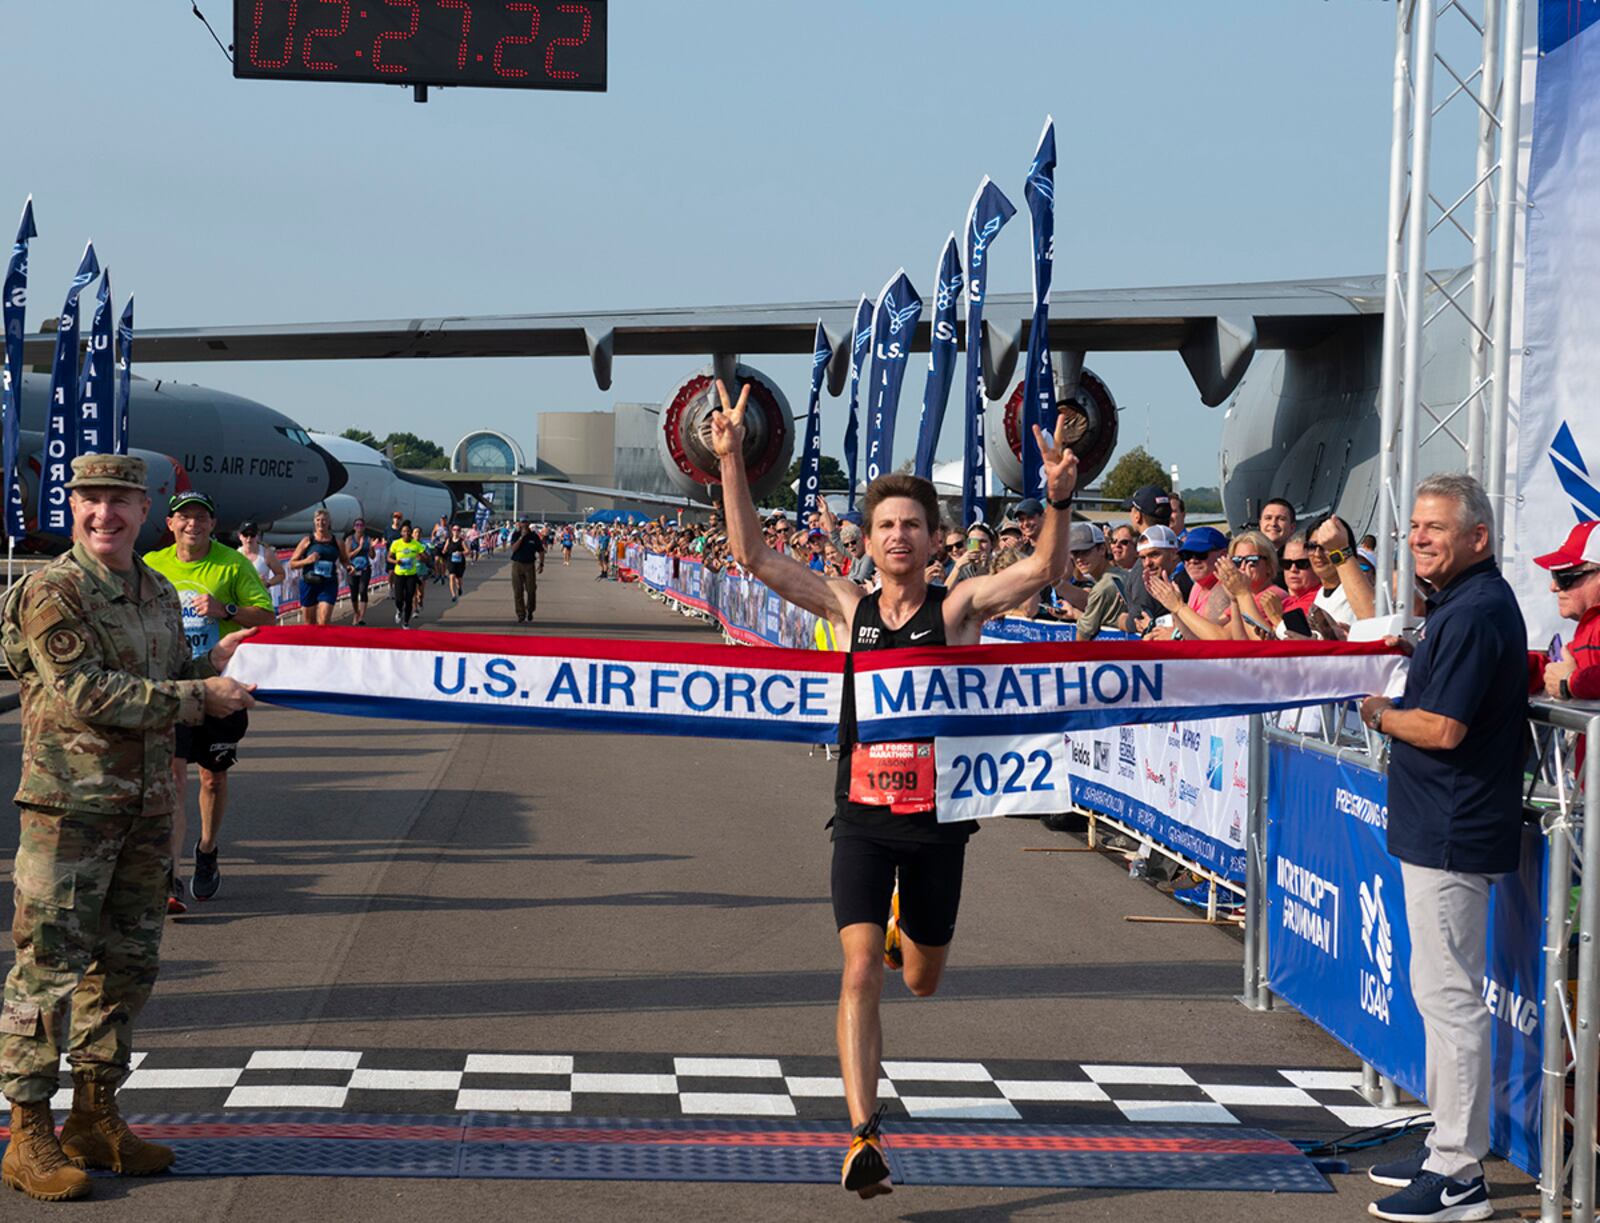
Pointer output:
x,y
868,632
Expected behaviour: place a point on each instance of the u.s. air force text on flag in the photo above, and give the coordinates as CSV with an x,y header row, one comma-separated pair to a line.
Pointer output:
x,y
986,217
860,346
738,692
13,308
61,419
894,325
811,453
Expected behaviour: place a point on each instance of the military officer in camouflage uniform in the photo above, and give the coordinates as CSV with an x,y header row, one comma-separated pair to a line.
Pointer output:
x,y
96,641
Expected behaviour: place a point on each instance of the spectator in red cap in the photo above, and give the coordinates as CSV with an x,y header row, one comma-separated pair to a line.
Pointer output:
x,y
1575,579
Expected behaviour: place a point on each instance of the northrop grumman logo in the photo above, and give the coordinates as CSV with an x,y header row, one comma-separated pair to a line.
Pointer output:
x,y
1574,475
899,316
1377,940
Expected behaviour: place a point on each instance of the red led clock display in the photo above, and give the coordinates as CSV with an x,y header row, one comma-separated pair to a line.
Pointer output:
x,y
518,44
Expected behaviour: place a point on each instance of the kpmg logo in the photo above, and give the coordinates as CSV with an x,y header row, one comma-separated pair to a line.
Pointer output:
x,y
1377,940
1310,906
1191,740
1214,765
899,317
1573,473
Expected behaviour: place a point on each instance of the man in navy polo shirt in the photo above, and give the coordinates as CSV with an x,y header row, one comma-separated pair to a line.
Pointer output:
x,y
1455,817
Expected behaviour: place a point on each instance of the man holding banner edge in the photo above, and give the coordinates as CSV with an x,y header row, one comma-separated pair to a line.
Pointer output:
x,y
884,827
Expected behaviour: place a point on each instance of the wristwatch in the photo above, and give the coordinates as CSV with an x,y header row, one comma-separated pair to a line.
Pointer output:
x,y
1377,719
230,610
1338,556
1064,504
1566,690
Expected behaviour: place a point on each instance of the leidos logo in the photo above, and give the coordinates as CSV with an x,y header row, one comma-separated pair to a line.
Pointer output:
x,y
1377,940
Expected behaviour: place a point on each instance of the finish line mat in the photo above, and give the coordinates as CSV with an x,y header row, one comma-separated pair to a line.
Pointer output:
x,y
519,1146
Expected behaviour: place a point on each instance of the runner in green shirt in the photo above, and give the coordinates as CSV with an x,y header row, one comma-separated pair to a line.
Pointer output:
x,y
221,593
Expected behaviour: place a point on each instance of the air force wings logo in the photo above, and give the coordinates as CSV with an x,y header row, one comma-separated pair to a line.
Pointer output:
x,y
982,237
945,297
899,317
1573,473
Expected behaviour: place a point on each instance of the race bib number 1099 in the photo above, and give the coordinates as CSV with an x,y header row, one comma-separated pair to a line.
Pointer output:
x,y
1001,775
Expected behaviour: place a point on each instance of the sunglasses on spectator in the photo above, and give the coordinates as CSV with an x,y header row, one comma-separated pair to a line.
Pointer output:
x,y
1566,579
1297,563
1242,561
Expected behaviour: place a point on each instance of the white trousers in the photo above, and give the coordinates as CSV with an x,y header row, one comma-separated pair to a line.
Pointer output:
x,y
1448,914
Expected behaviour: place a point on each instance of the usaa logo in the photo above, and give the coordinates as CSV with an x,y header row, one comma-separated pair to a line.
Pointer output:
x,y
1377,940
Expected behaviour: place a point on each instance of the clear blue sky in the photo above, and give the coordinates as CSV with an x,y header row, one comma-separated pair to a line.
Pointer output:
x,y
745,152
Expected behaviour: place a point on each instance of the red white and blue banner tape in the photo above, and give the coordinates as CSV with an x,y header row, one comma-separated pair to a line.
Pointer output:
x,y
1066,686
742,692
562,683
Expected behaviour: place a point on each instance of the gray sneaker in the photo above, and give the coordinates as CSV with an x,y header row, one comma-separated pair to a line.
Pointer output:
x,y
207,878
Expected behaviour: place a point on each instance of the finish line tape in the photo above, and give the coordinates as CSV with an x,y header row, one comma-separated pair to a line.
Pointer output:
x,y
742,692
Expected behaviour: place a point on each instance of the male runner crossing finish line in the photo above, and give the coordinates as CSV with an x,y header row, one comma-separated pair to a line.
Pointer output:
x,y
880,832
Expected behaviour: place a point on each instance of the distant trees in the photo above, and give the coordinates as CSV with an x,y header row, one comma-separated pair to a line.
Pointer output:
x,y
1205,500
783,497
410,451
1135,469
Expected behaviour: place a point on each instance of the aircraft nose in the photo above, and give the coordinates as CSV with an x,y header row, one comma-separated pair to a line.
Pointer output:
x,y
338,477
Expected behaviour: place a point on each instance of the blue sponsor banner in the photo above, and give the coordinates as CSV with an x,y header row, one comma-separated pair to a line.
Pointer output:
x,y
894,322
1560,21
1157,823
1340,947
1023,631
95,383
941,357
61,420
747,611
986,216
13,308
811,454
124,375
1038,379
860,345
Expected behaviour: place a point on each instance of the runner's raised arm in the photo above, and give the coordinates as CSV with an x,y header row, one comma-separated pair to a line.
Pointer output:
x,y
832,598
982,598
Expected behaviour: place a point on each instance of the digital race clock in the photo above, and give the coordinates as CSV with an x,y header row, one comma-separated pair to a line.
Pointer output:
x,y
517,44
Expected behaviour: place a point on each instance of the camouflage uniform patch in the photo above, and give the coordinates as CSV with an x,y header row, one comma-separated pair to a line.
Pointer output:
x,y
63,645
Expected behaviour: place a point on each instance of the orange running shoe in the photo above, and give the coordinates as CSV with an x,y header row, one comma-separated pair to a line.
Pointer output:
x,y
892,955
866,1169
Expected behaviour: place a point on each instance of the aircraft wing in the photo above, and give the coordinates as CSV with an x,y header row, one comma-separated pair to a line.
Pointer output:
x,y
1216,328
473,482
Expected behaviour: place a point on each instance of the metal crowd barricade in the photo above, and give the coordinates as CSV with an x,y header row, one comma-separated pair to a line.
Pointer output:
x,y
1568,807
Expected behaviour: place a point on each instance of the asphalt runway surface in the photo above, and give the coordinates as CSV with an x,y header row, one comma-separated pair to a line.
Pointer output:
x,y
402,901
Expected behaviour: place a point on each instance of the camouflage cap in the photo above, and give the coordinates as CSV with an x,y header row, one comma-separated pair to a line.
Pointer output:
x,y
107,471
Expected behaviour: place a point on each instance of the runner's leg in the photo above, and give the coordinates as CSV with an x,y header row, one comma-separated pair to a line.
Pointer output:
x,y
859,1029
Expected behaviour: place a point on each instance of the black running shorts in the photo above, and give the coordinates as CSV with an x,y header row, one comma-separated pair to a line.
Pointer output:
x,y
930,885
214,744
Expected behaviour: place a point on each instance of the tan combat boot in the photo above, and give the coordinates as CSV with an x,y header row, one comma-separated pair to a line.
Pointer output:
x,y
96,1136
34,1162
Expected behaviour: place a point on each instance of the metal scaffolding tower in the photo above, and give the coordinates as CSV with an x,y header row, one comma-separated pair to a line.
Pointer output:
x,y
1452,196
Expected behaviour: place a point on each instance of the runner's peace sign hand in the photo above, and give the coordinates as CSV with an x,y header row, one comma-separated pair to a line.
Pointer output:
x,y
727,422
1060,464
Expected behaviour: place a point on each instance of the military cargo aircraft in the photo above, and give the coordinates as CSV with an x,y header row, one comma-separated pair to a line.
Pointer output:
x,y
1301,423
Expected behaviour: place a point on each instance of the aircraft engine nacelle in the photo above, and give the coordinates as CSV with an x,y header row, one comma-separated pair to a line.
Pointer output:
x,y
164,475
342,508
1091,430
685,438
